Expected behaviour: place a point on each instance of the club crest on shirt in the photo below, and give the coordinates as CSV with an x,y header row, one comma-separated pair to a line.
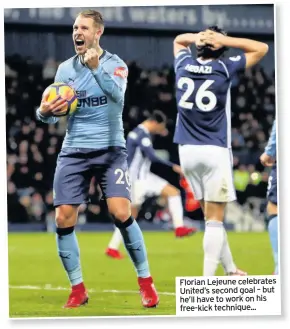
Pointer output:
x,y
121,72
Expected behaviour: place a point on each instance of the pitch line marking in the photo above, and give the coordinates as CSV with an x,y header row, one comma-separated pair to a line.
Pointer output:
x,y
49,287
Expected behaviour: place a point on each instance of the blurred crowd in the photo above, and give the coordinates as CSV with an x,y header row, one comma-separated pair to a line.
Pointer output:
x,y
32,147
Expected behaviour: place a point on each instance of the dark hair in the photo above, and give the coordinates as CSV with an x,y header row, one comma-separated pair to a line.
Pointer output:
x,y
158,116
206,51
95,15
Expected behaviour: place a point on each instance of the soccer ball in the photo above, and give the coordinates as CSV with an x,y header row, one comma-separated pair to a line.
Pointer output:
x,y
64,90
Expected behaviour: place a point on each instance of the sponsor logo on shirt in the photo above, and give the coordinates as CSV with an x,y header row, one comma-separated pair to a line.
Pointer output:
x,y
235,58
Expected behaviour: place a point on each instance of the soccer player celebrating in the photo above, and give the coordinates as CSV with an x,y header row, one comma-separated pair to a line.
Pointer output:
x,y
94,145
268,159
146,184
203,129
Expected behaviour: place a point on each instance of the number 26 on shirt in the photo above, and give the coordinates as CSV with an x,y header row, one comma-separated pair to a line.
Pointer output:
x,y
201,94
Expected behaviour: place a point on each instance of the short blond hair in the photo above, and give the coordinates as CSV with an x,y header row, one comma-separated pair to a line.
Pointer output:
x,y
95,15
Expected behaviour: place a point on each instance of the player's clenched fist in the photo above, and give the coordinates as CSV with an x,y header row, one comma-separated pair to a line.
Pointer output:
x,y
91,58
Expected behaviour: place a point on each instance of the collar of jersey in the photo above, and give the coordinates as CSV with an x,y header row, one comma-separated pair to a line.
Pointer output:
x,y
203,62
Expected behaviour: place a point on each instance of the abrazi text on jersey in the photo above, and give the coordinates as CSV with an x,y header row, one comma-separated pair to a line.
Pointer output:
x,y
203,69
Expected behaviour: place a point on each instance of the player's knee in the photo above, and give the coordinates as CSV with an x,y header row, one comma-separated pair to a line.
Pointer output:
x,y
214,211
61,219
121,215
271,209
66,216
174,191
170,191
119,208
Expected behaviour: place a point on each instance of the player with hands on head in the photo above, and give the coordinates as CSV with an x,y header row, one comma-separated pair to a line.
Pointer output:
x,y
203,129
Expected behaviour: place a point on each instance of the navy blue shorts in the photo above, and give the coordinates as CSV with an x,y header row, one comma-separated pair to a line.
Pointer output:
x,y
272,185
76,167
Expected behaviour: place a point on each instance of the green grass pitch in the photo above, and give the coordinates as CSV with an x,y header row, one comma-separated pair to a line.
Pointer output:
x,y
39,286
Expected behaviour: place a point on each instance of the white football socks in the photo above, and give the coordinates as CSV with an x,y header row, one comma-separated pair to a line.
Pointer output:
x,y
176,210
213,242
226,256
116,239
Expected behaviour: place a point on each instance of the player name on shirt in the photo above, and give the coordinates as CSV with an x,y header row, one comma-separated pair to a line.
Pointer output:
x,y
198,69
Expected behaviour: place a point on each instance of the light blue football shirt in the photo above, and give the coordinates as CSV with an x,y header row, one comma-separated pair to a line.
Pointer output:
x,y
97,123
270,149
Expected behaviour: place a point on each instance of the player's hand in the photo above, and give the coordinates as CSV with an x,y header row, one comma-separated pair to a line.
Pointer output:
x,y
91,58
177,169
201,36
55,106
164,132
267,160
214,39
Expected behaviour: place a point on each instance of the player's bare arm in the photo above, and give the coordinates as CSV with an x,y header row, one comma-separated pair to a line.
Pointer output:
x,y
254,50
183,41
177,169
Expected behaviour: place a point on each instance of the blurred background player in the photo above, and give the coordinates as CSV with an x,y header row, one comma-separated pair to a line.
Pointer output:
x,y
94,145
268,159
203,129
144,183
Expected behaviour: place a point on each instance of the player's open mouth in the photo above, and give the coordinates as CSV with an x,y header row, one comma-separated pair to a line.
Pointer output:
x,y
79,42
